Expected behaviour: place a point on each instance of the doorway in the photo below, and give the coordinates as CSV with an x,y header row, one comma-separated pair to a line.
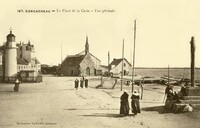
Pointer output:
x,y
88,71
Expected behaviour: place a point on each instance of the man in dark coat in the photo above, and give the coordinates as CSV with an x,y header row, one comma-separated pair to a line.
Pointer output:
x,y
135,103
76,83
124,104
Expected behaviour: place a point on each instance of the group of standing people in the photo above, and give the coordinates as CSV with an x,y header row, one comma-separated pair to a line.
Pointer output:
x,y
135,103
83,82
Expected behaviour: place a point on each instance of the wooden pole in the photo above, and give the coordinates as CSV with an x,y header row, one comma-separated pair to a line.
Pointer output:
x,y
192,62
122,72
184,74
108,57
133,71
168,74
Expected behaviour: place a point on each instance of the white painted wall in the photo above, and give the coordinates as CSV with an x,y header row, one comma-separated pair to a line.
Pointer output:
x,y
10,61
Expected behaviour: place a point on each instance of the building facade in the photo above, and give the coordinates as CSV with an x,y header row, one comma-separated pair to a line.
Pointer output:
x,y
115,67
19,61
81,64
27,63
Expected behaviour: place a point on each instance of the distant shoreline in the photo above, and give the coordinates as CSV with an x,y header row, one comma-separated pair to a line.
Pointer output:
x,y
164,67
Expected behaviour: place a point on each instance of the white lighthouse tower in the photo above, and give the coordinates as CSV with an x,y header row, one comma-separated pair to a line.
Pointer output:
x,y
10,57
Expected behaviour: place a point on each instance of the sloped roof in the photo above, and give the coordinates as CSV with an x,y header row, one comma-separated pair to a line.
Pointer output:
x,y
77,58
22,61
74,59
94,56
36,60
104,66
117,61
83,53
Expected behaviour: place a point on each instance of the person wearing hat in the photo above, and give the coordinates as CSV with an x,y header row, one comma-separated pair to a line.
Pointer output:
x,y
16,87
124,104
81,83
86,83
76,83
135,103
169,91
183,90
169,101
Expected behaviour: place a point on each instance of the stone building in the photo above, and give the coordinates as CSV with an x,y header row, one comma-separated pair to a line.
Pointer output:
x,y
27,63
115,67
81,64
19,61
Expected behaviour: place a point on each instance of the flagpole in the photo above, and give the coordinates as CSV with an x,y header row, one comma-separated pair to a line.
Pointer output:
x,y
122,72
133,71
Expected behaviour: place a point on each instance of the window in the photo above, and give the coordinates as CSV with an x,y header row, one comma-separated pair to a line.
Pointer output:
x,y
124,64
27,48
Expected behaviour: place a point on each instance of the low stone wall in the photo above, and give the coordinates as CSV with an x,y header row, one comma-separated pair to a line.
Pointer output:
x,y
22,79
193,91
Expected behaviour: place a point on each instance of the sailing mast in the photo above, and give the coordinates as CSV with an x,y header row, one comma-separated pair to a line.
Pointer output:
x,y
133,71
168,74
122,72
108,58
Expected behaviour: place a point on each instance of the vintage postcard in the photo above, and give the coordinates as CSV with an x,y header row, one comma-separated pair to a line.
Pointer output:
x,y
99,64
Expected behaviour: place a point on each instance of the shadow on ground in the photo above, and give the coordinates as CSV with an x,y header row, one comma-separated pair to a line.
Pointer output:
x,y
159,109
7,91
112,115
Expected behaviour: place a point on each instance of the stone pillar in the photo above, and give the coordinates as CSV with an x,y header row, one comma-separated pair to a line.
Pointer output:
x,y
192,62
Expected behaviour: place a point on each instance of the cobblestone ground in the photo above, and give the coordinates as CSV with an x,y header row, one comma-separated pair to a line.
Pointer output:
x,y
55,103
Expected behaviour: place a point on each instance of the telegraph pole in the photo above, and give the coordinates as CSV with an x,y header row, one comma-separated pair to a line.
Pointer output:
x,y
133,71
192,62
108,57
122,72
168,74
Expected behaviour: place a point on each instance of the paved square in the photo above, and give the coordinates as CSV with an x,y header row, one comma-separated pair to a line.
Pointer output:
x,y
55,103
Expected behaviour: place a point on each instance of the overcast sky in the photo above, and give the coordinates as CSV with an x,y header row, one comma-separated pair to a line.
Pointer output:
x,y
164,29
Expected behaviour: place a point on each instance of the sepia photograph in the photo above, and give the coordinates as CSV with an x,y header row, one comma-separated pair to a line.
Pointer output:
x,y
99,64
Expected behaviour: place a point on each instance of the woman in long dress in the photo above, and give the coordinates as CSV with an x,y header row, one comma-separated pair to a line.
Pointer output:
x,y
135,103
124,104
76,83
